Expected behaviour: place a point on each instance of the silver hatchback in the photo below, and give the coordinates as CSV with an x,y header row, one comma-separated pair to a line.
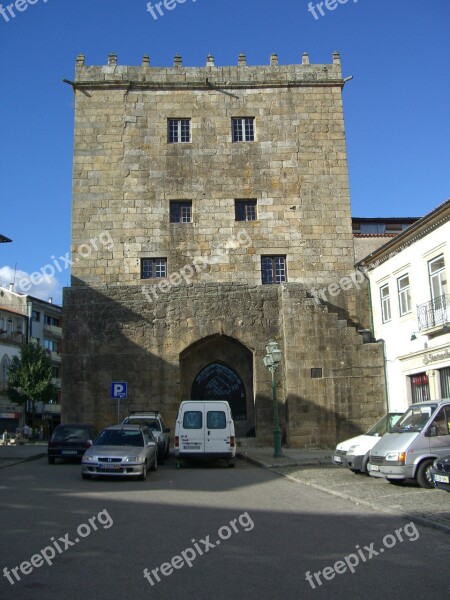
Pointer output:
x,y
121,451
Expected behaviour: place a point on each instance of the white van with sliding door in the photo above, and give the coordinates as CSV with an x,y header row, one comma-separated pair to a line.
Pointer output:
x,y
205,429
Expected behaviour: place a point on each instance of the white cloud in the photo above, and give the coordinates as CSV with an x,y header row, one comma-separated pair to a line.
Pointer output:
x,y
40,284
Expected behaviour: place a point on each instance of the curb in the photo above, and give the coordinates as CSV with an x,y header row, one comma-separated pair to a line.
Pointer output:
x,y
413,517
23,460
265,465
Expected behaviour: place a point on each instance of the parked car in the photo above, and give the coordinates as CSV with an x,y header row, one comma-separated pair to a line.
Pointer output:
x,y
70,441
205,429
155,423
441,473
367,440
121,451
417,440
358,454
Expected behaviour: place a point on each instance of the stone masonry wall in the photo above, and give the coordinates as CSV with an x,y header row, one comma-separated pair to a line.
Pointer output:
x,y
112,335
126,173
157,334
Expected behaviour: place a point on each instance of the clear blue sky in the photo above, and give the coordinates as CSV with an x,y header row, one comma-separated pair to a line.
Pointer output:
x,y
396,108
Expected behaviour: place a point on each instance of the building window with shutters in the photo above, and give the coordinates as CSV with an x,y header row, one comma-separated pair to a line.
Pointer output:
x,y
444,375
385,303
404,295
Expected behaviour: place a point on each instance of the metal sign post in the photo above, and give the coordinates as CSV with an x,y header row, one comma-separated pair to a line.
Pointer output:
x,y
118,392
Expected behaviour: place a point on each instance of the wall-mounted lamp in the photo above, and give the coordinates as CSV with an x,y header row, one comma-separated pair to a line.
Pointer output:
x,y
414,336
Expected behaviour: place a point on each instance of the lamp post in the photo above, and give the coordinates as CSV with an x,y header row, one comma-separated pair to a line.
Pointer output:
x,y
271,361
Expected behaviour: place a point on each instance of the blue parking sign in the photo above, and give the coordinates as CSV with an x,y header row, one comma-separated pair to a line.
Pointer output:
x,y
118,390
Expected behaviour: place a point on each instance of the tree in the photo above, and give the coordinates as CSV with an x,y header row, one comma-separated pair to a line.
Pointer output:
x,y
30,377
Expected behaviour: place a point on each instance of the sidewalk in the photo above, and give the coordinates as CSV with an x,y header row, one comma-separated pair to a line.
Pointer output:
x,y
292,457
314,468
13,455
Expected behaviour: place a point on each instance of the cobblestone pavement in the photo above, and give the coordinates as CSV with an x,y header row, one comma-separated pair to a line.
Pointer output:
x,y
429,507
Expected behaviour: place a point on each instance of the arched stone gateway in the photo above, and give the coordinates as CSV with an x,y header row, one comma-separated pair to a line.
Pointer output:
x,y
219,382
219,367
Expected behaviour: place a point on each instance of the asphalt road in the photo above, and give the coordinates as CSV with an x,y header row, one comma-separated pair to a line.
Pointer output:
x,y
271,530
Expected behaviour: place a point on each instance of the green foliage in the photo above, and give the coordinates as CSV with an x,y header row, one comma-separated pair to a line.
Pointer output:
x,y
30,376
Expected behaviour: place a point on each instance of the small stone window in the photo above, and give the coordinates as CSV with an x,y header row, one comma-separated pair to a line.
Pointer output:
x,y
181,211
179,131
245,210
316,373
273,269
153,268
243,129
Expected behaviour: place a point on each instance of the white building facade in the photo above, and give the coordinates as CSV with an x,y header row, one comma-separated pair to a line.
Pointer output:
x,y
410,299
23,318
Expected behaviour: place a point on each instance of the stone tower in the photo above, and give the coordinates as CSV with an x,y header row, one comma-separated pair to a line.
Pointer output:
x,y
207,204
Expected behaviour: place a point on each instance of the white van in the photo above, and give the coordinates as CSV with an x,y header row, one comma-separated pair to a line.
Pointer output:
x,y
205,429
417,439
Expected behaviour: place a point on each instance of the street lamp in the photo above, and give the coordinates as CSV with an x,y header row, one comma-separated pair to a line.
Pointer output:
x,y
271,361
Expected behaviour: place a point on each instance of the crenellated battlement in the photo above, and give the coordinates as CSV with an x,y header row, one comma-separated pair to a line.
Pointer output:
x,y
273,74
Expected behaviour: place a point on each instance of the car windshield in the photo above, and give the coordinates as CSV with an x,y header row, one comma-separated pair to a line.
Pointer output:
x,y
65,434
120,437
415,418
384,425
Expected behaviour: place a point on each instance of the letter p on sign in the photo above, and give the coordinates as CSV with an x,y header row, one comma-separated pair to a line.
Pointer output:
x,y
118,390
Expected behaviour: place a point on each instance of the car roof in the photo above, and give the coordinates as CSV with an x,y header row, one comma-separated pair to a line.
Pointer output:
x,y
431,402
126,427
74,425
144,415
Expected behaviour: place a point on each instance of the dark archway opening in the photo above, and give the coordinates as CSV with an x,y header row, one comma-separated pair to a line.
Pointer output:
x,y
217,381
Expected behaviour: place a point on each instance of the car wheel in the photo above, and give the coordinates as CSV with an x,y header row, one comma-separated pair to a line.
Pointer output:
x,y
85,476
166,453
232,463
395,481
51,460
163,457
423,476
143,475
155,464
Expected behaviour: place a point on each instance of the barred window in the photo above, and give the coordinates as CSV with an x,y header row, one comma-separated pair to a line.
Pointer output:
x,y
179,130
153,267
273,269
244,129
181,211
245,210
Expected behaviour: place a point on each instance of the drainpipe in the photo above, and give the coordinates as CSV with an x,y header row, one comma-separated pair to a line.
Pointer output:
x,y
386,388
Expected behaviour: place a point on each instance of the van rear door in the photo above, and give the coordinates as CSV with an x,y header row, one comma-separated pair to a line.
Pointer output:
x,y
192,433
217,431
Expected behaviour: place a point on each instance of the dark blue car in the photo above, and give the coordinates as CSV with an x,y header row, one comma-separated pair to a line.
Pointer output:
x,y
441,473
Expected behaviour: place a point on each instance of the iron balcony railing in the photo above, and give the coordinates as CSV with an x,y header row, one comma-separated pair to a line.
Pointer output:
x,y
434,313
